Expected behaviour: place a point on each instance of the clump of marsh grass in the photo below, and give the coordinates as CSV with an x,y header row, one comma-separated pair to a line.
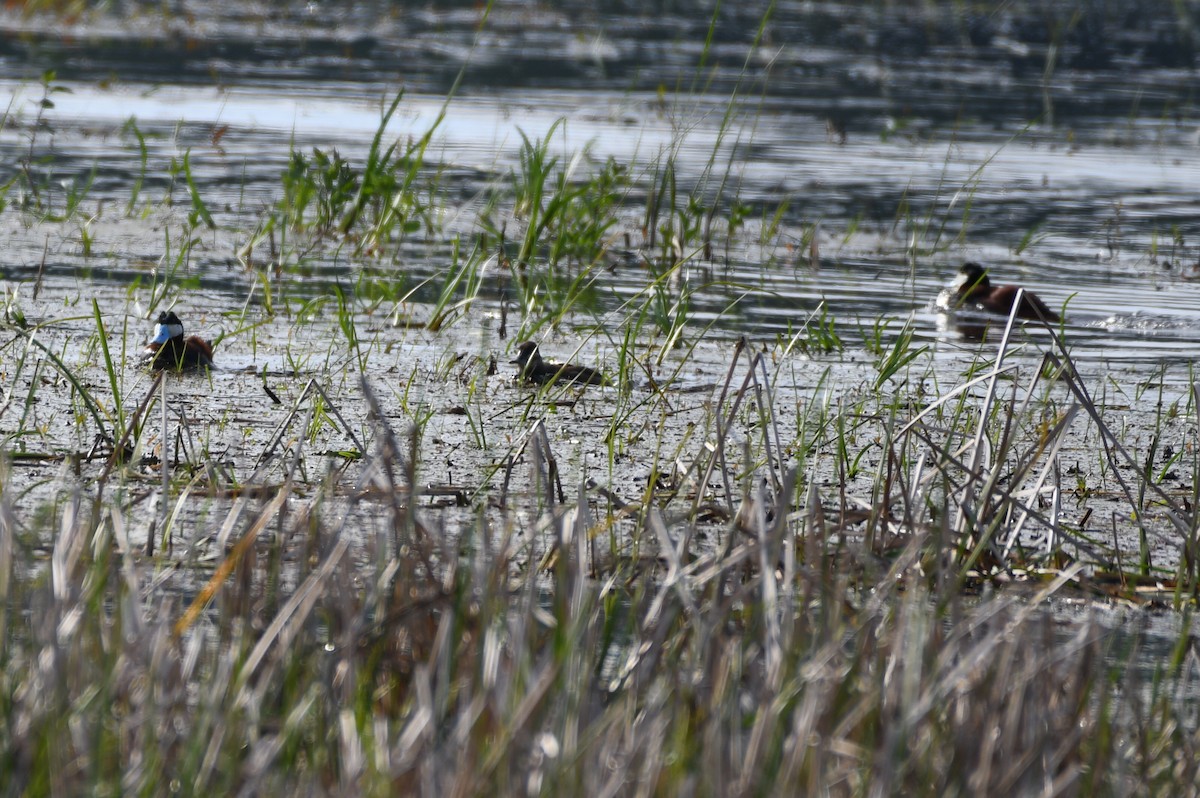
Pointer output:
x,y
378,203
786,599
748,627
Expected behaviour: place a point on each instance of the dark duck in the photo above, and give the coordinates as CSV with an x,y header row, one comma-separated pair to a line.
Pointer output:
x,y
539,372
171,350
972,288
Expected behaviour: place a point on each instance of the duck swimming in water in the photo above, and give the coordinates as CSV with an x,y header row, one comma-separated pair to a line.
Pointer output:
x,y
973,288
539,372
169,349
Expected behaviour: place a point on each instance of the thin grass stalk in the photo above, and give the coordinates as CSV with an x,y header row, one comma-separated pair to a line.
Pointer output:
x,y
119,419
1057,439
8,530
718,455
164,465
311,387
286,624
964,521
1114,451
81,391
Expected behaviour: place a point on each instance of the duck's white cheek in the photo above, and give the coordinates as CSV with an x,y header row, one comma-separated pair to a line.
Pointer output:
x,y
165,332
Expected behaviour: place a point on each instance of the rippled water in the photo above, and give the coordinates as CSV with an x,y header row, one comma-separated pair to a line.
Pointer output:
x,y
1060,150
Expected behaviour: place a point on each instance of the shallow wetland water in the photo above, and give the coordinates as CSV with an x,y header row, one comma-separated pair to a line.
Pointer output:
x,y
783,207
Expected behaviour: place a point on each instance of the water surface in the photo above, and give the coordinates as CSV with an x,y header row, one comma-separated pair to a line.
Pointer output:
x,y
1061,153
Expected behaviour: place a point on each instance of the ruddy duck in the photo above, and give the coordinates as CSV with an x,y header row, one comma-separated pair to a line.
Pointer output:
x,y
170,350
539,372
972,287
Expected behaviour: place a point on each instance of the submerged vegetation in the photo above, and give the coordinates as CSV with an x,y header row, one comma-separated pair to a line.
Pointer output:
x,y
358,557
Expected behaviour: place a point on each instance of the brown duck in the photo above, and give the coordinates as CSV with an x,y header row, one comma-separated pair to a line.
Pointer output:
x,y
972,287
171,350
539,372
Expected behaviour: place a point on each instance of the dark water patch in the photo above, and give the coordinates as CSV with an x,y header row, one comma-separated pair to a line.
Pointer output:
x,y
939,61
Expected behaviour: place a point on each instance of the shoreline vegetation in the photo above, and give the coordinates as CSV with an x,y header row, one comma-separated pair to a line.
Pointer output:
x,y
358,557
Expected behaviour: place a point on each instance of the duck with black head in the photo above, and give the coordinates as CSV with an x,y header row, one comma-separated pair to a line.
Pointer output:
x,y
973,288
539,372
170,349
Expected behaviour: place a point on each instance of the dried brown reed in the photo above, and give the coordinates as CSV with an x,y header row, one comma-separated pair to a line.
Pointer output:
x,y
748,632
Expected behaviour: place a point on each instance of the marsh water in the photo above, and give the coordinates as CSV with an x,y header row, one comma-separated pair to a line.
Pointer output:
x,y
1059,149
870,150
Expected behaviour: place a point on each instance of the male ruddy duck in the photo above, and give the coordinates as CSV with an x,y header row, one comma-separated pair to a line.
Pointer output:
x,y
972,287
170,350
539,372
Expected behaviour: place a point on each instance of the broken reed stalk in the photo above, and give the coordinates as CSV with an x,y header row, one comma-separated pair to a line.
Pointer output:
x,y
311,387
545,465
718,456
967,523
